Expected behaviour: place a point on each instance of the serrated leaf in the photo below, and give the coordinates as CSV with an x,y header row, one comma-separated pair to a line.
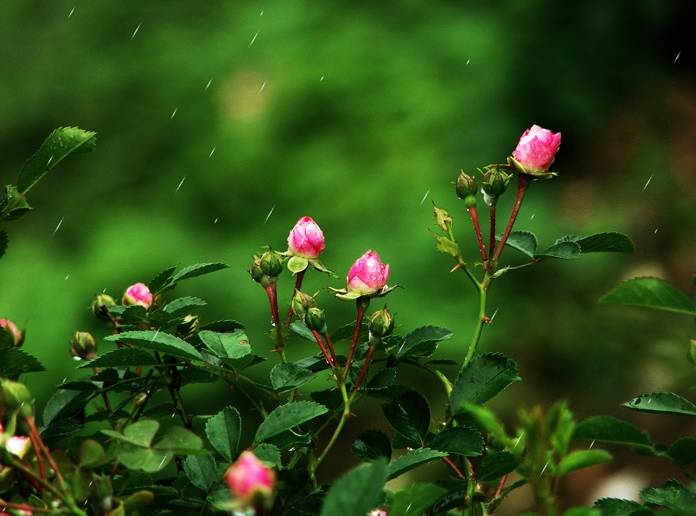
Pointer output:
x,y
160,282
447,246
179,440
372,445
201,470
562,250
459,440
144,459
269,454
288,416
15,361
196,270
64,404
415,499
301,329
662,402
672,495
602,243
609,429
357,492
409,414
62,142
297,264
484,377
418,341
683,451
289,376
158,341
495,465
579,459
121,358
652,293
233,345
223,430
619,507
413,459
488,421
183,304
523,241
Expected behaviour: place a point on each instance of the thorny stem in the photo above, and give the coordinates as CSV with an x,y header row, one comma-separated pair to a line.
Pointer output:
x,y
361,305
470,487
482,320
522,184
46,452
455,469
322,347
298,285
491,236
272,293
37,451
330,345
477,229
363,370
501,485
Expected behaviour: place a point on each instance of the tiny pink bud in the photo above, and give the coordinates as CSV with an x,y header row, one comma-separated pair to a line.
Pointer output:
x,y
138,294
306,239
378,512
18,446
11,328
537,148
368,274
249,479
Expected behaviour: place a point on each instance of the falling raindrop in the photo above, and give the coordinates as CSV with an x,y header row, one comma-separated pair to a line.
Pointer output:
x,y
532,217
60,223
261,13
136,30
263,87
544,468
216,220
425,197
647,182
174,113
67,277
490,321
656,230
181,183
591,444
50,160
253,39
269,214
71,13
321,79
212,151
208,84
676,58
468,61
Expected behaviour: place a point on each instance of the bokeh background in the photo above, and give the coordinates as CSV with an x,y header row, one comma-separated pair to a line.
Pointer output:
x,y
213,115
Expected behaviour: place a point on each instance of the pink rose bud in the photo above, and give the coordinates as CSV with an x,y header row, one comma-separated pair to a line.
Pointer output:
x,y
11,328
250,480
18,446
378,512
537,148
138,294
368,274
306,239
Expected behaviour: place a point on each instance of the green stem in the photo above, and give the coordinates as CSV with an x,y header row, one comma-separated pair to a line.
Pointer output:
x,y
482,319
339,427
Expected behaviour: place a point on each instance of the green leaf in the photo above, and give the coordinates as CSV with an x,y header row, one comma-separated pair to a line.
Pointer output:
x,y
495,465
13,204
662,402
288,416
15,361
447,246
297,264
201,471
161,281
121,358
609,429
196,270
158,341
683,451
285,377
602,243
372,445
233,345
415,499
64,404
420,341
223,430
62,142
301,329
652,293
91,453
582,511
618,507
523,241
459,440
412,459
579,459
672,495
357,492
269,454
141,432
183,304
409,414
489,422
145,459
179,440
483,378
562,250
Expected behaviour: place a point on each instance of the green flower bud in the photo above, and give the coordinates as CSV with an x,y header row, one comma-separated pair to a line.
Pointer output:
x,y
470,201
15,396
139,399
381,323
255,269
83,346
316,320
188,325
465,185
302,302
101,305
495,182
271,264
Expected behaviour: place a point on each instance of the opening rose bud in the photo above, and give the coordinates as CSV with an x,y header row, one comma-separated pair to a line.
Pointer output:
x,y
15,334
18,446
138,294
368,274
83,346
250,480
537,149
306,239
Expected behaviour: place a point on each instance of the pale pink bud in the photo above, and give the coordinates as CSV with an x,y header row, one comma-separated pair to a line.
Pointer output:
x,y
18,446
368,274
12,329
537,148
306,239
378,512
138,294
249,478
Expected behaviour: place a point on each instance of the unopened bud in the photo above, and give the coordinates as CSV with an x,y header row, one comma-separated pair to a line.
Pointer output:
x,y
381,323
302,302
495,182
139,399
470,201
138,294
251,482
465,185
14,334
255,269
316,320
271,264
83,346
101,305
15,396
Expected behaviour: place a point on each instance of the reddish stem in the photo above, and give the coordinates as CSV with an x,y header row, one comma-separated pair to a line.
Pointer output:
x,y
477,229
361,305
37,451
522,183
491,238
324,351
364,368
272,294
501,485
45,450
453,466
330,345
298,284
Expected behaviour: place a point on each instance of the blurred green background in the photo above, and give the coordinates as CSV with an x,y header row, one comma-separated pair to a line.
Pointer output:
x,y
211,115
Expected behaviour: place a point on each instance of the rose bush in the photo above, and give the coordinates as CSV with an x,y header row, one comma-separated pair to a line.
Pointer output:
x,y
122,439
